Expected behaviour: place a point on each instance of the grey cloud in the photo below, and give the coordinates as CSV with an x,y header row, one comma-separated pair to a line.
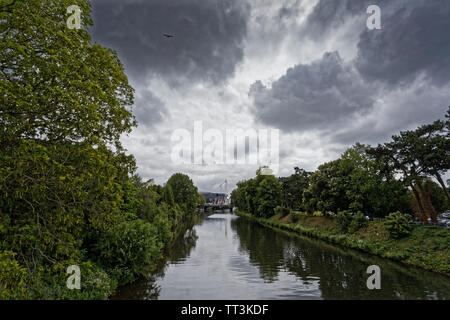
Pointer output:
x,y
413,40
289,10
328,15
337,98
321,95
208,40
148,109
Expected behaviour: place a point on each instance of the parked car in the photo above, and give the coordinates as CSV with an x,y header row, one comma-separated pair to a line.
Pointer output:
x,y
444,222
446,214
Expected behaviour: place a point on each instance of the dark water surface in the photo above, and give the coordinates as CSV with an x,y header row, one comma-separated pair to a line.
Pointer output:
x,y
228,257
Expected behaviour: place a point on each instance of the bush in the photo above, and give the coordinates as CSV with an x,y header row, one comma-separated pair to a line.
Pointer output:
x,y
359,221
398,225
344,219
130,249
95,284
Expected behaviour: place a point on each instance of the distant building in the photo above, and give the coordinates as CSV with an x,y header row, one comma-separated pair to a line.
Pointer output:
x,y
215,198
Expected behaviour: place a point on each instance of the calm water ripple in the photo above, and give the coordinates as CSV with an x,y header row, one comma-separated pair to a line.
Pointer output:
x,y
227,257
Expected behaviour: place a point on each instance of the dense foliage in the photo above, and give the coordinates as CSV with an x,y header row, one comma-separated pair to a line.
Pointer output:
x,y
368,181
68,191
398,224
258,196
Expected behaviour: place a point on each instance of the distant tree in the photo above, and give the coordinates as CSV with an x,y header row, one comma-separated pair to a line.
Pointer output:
x,y
268,196
431,146
201,200
292,188
184,192
356,182
417,155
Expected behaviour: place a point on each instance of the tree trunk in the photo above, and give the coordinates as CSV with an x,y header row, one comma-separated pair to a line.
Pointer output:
x,y
427,205
422,214
441,182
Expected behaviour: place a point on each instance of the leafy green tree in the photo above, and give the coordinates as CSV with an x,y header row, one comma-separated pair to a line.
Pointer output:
x,y
58,86
355,181
328,187
201,200
184,192
268,196
431,145
238,198
65,196
292,188
417,155
168,196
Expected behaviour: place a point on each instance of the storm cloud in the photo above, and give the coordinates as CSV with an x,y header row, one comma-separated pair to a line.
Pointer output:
x,y
413,40
309,68
350,100
320,96
207,43
148,109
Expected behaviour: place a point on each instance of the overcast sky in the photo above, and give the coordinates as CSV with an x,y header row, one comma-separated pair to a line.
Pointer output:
x,y
309,68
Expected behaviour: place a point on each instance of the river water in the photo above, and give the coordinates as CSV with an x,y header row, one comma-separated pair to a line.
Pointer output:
x,y
229,257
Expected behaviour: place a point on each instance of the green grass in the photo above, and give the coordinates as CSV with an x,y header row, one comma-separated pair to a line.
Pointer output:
x,y
426,247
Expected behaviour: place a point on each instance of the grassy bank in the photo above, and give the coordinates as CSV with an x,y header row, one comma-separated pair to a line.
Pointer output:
x,y
425,247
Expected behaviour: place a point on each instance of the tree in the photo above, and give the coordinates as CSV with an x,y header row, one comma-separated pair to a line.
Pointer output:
x,y
57,86
201,200
268,196
293,186
417,155
328,185
356,182
184,192
168,196
432,148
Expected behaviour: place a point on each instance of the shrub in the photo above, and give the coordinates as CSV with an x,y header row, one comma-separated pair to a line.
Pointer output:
x,y
130,249
344,219
398,225
95,284
359,221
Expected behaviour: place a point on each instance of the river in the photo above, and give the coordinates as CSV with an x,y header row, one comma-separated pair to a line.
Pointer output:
x,y
229,257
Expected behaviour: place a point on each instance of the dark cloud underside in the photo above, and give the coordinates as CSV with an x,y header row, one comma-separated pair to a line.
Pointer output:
x,y
319,95
414,39
333,96
207,43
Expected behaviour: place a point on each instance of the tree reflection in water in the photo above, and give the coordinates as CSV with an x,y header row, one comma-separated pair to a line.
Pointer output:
x,y
148,289
341,272
249,261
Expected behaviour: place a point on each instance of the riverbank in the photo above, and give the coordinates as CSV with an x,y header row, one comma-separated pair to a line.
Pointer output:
x,y
425,247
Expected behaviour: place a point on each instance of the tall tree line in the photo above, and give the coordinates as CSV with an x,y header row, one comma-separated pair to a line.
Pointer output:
x,y
69,193
395,176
